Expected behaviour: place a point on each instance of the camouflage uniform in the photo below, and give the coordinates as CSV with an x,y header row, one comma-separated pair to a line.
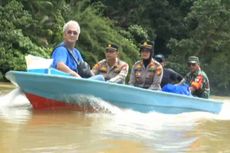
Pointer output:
x,y
199,81
117,73
149,77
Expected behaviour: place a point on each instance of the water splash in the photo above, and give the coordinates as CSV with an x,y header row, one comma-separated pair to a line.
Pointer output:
x,y
163,132
14,106
89,103
150,128
15,98
101,106
153,129
225,113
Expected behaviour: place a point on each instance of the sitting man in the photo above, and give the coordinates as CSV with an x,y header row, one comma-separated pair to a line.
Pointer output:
x,y
196,79
112,68
146,73
169,75
65,56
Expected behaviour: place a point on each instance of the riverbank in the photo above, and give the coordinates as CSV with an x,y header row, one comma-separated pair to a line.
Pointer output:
x,y
6,85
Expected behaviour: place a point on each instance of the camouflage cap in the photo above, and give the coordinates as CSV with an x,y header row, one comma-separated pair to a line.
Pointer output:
x,y
193,59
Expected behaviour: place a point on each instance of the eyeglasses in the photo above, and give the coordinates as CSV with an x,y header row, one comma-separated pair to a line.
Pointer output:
x,y
71,32
191,64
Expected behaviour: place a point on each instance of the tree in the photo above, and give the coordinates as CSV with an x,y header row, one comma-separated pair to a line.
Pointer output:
x,y
14,44
161,19
209,39
97,31
36,28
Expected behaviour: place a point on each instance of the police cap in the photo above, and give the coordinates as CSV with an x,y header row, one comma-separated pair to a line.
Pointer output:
x,y
112,47
146,46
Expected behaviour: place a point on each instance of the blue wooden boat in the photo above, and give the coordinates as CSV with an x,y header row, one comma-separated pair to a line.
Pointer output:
x,y
51,89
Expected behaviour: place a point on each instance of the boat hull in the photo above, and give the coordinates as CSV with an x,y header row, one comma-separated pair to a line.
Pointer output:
x,y
46,91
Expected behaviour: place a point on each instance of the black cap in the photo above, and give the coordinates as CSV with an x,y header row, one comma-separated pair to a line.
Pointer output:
x,y
159,58
112,47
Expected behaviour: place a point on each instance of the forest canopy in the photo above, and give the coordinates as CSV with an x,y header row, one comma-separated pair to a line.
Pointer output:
x,y
179,28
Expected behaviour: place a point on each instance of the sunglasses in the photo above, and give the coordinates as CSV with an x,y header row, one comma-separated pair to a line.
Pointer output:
x,y
191,64
69,32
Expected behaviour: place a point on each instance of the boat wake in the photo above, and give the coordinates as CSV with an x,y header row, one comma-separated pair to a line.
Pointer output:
x,y
100,105
89,103
181,117
150,128
16,99
178,132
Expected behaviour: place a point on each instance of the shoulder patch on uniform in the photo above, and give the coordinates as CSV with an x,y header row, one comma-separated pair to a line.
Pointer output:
x,y
103,68
139,65
159,70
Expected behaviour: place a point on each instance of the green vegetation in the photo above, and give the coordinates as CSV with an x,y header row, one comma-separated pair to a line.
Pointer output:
x,y
180,28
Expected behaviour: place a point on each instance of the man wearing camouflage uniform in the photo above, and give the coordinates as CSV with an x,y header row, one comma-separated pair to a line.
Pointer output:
x,y
146,73
112,68
197,79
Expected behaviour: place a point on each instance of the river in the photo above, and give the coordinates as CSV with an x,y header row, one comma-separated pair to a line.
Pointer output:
x,y
23,130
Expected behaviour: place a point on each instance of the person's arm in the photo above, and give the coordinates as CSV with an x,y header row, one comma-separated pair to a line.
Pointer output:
x,y
181,82
59,59
157,79
62,67
132,77
197,83
179,77
120,78
175,76
95,69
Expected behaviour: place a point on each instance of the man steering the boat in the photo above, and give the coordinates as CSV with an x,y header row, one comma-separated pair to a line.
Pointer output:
x,y
112,68
169,75
65,56
196,79
146,73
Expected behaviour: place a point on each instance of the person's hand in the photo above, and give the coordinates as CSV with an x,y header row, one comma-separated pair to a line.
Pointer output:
x,y
76,75
109,81
191,89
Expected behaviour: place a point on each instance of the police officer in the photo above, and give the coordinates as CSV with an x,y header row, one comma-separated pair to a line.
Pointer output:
x,y
169,75
146,73
197,79
112,68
